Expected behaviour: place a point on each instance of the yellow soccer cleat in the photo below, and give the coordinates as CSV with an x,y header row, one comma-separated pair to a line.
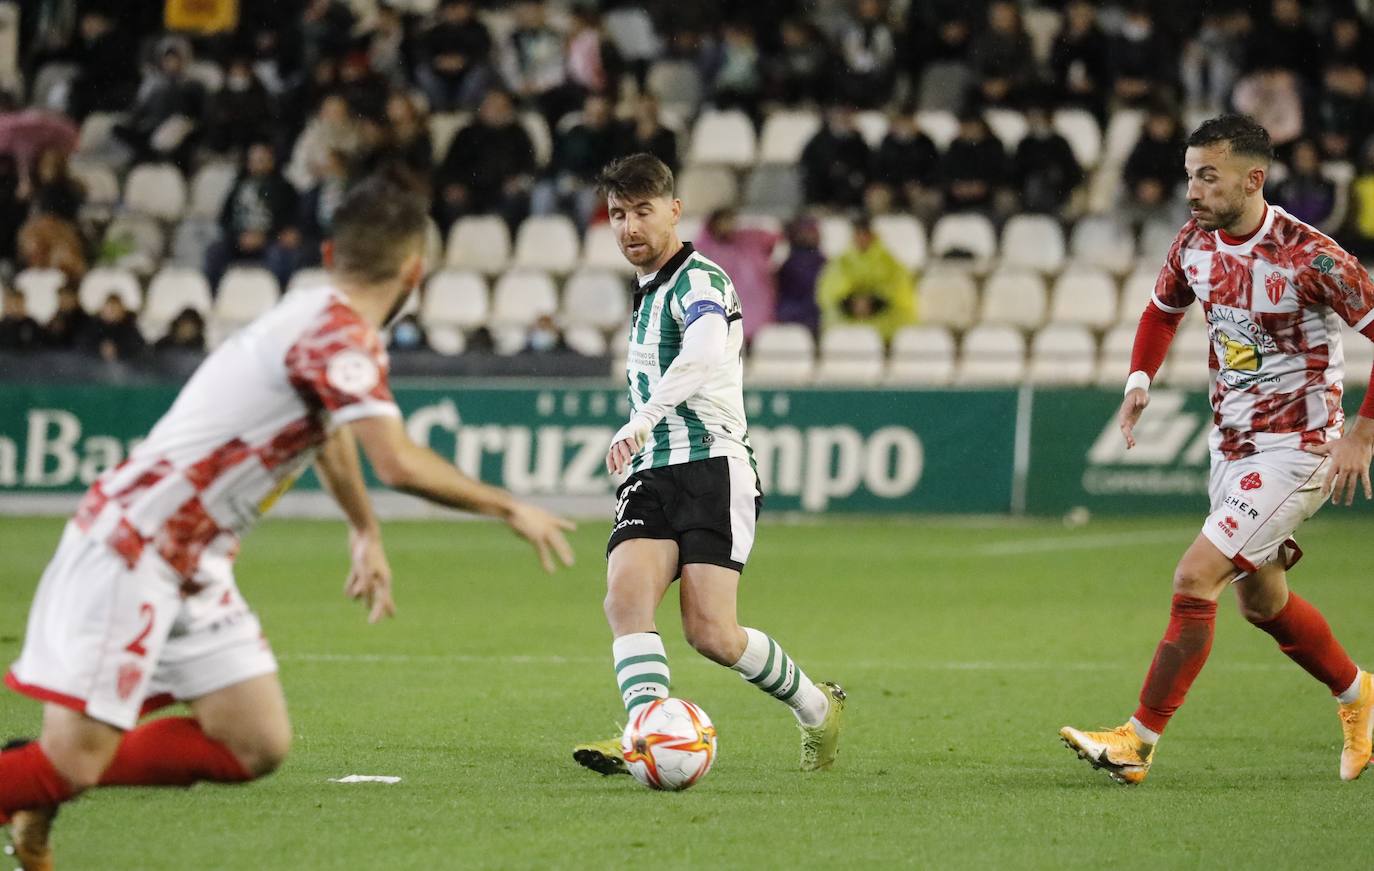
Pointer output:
x,y
1120,752
29,830
603,757
1357,722
820,744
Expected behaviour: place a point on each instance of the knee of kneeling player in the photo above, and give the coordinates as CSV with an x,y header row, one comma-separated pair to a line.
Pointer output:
x,y
263,754
718,642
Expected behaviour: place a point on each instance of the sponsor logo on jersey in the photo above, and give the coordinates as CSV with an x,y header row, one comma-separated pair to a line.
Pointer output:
x,y
1240,356
1228,526
127,680
1324,263
1239,503
1252,481
1274,286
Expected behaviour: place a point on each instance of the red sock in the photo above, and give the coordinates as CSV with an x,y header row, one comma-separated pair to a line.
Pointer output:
x,y
172,752
28,780
1178,659
1302,633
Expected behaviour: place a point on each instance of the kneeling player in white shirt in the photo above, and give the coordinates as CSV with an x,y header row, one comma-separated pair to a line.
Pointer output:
x,y
138,607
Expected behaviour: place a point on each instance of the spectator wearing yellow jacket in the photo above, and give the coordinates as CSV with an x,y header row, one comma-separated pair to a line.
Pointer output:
x,y
867,285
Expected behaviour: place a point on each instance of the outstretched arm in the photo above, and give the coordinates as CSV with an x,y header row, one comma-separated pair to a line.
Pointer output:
x,y
341,474
1152,340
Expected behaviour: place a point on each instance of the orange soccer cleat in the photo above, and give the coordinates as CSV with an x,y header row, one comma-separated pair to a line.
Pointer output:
x,y
1357,722
1120,752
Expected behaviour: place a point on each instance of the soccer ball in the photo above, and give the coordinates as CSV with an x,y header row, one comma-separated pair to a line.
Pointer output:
x,y
669,744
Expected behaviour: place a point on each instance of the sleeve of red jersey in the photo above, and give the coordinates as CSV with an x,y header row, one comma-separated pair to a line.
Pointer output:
x,y
341,365
1159,322
1343,284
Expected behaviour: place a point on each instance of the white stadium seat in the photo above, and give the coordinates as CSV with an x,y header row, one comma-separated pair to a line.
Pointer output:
x,y
1103,242
992,355
40,287
1007,125
1156,238
102,188
1079,127
941,126
102,281
1033,242
1114,356
210,186
965,233
677,83
905,237
782,354
454,301
245,292
191,239
522,296
171,291
1186,365
948,297
443,126
703,189
1084,296
601,251
140,240
1063,354
303,279
587,341
850,354
785,134
872,125
596,299
1123,131
1136,292
837,235
1359,357
722,137
97,135
547,242
540,136
921,355
157,190
1015,297
480,242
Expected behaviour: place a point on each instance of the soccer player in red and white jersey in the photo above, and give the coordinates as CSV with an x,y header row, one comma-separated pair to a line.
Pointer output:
x,y
138,607
1274,292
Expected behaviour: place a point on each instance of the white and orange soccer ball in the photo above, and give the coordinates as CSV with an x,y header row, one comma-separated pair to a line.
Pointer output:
x,y
669,744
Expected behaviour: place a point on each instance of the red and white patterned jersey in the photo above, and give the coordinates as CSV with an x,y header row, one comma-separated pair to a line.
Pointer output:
x,y
1273,304
249,421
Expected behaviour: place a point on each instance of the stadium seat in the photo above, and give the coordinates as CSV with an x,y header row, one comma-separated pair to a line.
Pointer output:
x,y
157,190
1080,128
601,251
1103,242
992,354
171,291
1014,296
1043,26
245,292
689,227
948,297
210,186
1136,291
208,73
677,83
102,281
872,125
837,235
191,239
596,299
1063,354
135,242
922,355
1008,125
454,301
940,125
547,242
722,138
40,287
904,236
1033,242
522,296
480,242
587,341
102,188
775,189
785,134
1114,356
434,246
52,85
97,141
1359,357
965,238
703,189
304,279
1186,365
851,355
1156,238
1084,296
443,126
540,136
781,354
1123,131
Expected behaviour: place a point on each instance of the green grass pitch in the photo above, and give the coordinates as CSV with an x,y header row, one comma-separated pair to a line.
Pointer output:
x,y
964,646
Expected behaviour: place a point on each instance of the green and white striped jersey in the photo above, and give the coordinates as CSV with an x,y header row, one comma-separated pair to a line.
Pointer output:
x,y
710,423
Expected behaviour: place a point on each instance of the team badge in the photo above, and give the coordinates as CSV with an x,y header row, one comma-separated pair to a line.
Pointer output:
x,y
352,372
1251,481
128,679
1274,285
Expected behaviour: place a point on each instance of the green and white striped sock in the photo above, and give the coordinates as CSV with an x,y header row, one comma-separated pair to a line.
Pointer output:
x,y
641,668
765,665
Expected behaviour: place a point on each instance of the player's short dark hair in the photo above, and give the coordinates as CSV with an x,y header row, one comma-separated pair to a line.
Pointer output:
x,y
636,177
378,224
1243,134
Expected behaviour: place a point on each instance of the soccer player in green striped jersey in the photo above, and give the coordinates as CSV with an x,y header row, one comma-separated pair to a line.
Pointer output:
x,y
689,504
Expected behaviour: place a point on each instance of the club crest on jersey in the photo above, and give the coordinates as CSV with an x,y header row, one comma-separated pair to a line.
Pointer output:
x,y
1251,481
127,680
1274,286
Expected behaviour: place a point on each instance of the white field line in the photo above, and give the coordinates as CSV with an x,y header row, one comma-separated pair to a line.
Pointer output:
x,y
1055,544
890,664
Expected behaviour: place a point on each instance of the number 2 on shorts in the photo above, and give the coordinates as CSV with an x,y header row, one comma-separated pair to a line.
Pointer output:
x,y
146,612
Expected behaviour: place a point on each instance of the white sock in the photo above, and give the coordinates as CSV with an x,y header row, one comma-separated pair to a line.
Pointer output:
x,y
641,668
766,666
1352,692
1149,736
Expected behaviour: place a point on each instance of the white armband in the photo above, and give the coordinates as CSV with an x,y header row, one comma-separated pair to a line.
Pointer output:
x,y
1138,380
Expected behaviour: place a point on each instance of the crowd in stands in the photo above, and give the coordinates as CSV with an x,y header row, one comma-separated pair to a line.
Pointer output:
x,y
780,116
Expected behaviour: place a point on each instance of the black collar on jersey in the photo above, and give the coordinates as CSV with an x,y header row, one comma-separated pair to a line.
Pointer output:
x,y
664,273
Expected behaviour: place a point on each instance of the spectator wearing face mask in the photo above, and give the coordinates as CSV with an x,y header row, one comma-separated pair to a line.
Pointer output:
x,y
241,112
186,333
544,336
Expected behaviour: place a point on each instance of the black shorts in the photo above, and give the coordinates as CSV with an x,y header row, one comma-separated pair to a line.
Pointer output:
x,y
709,507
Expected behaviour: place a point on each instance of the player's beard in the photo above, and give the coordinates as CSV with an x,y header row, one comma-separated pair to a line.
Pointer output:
x,y
1220,219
